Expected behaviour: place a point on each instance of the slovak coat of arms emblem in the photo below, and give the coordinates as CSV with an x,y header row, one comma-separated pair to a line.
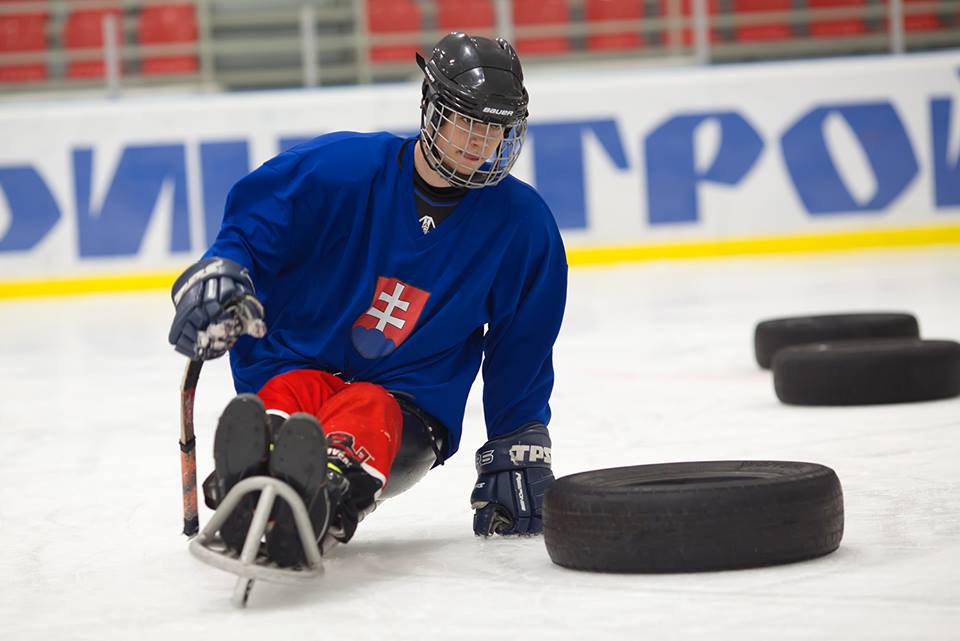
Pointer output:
x,y
393,314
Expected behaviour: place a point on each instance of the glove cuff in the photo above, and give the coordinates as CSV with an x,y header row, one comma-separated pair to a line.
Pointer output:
x,y
526,447
206,268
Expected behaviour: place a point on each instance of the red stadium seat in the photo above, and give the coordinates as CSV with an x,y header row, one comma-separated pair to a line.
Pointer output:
x,y
600,11
394,17
23,33
531,13
166,24
778,29
920,21
464,15
832,27
686,12
84,30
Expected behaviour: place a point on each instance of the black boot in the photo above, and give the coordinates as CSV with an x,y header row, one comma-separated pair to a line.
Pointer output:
x,y
299,459
240,449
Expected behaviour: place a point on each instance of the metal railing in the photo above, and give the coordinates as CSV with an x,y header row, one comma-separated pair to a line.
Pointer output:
x,y
243,44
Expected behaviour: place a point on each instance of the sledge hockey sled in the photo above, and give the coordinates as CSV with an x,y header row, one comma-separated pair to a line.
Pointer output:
x,y
251,563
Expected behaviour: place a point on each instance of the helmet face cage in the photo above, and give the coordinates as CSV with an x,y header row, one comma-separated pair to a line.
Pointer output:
x,y
446,133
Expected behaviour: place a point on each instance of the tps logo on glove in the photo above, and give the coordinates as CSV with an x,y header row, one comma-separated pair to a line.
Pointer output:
x,y
520,454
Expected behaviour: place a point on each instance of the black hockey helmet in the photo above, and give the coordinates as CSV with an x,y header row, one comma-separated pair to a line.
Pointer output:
x,y
477,76
476,85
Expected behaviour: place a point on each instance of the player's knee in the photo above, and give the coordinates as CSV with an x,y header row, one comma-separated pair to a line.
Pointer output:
x,y
381,402
299,390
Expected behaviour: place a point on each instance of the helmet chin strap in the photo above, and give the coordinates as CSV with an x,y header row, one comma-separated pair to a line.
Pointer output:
x,y
434,162
432,155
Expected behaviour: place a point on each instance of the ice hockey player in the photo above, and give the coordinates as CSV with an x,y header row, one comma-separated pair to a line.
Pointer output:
x,y
386,269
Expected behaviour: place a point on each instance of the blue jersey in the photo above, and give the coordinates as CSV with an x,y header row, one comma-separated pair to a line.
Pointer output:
x,y
351,284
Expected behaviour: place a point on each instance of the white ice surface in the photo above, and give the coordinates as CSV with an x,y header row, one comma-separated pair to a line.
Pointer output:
x,y
654,364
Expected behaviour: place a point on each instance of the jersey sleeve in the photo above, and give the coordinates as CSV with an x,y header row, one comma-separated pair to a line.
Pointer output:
x,y
518,345
271,219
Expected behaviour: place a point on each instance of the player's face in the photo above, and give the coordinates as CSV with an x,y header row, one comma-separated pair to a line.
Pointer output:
x,y
466,143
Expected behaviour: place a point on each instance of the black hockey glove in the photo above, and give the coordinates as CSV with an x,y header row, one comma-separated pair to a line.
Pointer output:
x,y
514,474
215,304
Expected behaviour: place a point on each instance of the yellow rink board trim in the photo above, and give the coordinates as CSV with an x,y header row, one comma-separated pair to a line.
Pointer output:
x,y
814,243
86,285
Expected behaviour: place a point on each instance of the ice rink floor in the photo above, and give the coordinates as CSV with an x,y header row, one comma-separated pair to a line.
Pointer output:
x,y
654,364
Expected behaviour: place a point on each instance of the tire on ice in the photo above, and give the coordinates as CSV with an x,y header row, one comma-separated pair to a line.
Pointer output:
x,y
681,517
771,336
867,372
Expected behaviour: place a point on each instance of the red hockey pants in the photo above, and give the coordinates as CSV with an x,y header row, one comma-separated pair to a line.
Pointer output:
x,y
363,414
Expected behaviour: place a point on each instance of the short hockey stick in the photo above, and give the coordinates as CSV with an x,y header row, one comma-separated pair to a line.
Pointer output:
x,y
249,325
188,448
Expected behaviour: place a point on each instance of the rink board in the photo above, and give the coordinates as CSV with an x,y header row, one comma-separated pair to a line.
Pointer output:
x,y
635,164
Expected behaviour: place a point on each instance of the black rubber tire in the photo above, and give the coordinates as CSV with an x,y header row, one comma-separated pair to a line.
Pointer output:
x,y
867,372
771,336
682,517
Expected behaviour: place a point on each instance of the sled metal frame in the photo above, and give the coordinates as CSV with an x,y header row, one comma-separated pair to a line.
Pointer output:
x,y
208,547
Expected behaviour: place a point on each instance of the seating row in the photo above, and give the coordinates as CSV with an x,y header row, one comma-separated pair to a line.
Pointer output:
x,y
177,23
398,16
156,24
